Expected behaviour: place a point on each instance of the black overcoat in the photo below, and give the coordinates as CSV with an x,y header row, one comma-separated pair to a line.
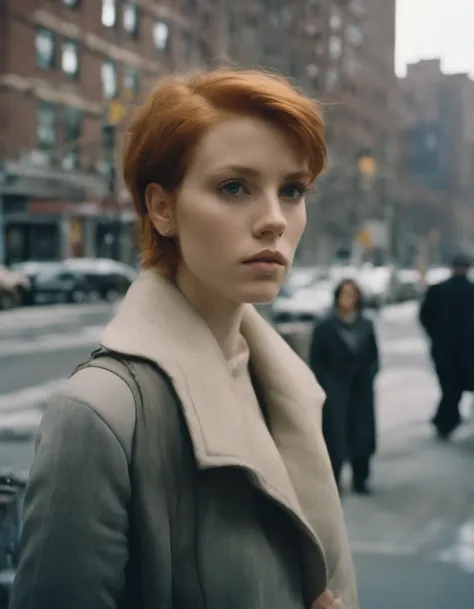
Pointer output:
x,y
347,376
447,314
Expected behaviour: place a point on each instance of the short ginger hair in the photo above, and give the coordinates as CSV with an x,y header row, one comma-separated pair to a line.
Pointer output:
x,y
165,131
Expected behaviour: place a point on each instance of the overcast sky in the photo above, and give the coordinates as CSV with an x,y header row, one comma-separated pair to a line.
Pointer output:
x,y
436,28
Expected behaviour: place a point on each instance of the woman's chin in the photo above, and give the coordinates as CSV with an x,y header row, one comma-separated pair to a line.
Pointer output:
x,y
261,294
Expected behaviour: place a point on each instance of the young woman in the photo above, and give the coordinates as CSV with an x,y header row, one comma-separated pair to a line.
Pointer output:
x,y
344,357
184,465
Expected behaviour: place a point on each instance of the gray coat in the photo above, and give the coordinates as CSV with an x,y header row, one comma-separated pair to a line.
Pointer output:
x,y
176,500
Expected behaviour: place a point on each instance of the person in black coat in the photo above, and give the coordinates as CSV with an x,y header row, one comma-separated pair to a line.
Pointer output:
x,y
446,315
344,358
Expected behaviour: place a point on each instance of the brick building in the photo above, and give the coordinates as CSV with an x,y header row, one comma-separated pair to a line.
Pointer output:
x,y
352,70
69,66
66,66
439,153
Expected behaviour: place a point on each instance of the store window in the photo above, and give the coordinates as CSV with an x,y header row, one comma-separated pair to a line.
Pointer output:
x,y
70,58
109,79
45,45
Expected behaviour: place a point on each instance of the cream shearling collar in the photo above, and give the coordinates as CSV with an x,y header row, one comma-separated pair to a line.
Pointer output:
x,y
291,466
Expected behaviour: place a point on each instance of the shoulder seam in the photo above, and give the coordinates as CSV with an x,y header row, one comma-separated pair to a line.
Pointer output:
x,y
77,402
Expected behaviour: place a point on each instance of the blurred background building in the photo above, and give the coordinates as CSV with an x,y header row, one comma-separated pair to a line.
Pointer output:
x,y
399,181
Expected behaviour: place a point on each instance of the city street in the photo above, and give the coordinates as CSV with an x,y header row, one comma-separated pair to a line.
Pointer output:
x,y
413,541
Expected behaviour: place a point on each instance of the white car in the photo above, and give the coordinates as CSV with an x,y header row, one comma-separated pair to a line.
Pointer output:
x,y
306,304
378,284
437,274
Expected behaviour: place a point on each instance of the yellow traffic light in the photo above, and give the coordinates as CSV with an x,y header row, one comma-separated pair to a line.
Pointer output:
x,y
367,166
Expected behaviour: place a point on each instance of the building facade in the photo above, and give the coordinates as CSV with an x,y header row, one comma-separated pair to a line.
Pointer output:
x,y
351,67
70,67
439,153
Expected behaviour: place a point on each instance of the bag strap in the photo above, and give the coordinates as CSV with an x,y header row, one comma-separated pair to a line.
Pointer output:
x,y
117,364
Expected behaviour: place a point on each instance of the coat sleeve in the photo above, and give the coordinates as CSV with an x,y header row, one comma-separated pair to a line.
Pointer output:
x,y
427,310
74,540
317,358
374,353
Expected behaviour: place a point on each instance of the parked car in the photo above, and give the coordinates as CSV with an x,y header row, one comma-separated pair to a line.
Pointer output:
x,y
409,285
437,274
109,278
52,282
14,288
306,304
302,276
379,285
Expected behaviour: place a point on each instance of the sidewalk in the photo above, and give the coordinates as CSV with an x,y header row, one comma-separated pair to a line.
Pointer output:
x,y
423,496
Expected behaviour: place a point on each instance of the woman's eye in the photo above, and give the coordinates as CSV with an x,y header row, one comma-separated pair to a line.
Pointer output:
x,y
293,191
233,189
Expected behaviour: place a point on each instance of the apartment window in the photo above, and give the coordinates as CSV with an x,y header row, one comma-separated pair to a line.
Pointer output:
x,y
312,70
332,77
46,127
335,47
45,44
335,20
109,79
72,133
354,35
70,58
109,13
131,82
130,19
161,35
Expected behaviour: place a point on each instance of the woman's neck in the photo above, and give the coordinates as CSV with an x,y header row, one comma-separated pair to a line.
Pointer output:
x,y
348,316
223,317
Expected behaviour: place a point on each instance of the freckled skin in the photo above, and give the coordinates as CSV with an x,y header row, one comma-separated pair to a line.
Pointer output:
x,y
224,216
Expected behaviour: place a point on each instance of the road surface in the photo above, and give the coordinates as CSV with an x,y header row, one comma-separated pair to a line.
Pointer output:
x,y
413,541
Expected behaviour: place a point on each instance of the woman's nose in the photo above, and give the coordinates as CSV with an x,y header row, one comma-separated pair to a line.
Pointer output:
x,y
271,218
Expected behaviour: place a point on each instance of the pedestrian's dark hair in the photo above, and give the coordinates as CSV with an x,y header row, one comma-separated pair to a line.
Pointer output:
x,y
357,289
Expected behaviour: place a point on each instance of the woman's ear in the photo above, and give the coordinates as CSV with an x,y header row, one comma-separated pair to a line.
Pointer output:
x,y
159,204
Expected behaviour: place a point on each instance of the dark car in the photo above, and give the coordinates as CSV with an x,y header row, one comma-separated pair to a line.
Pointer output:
x,y
14,288
52,282
110,278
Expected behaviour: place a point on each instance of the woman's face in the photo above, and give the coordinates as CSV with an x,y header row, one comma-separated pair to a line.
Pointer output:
x,y
243,196
348,298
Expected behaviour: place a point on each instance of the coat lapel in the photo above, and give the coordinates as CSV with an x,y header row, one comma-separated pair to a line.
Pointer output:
x,y
291,464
